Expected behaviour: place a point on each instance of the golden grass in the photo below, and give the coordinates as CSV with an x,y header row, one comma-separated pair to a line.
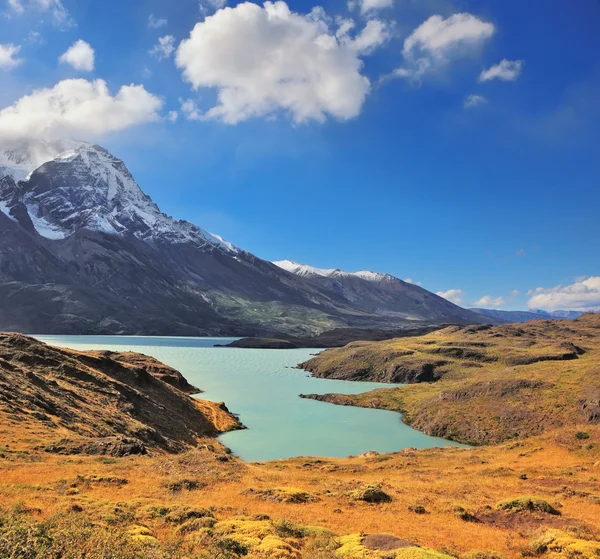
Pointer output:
x,y
559,468
489,502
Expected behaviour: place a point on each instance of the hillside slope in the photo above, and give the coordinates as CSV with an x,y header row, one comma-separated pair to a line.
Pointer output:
x,y
384,294
479,384
100,402
83,250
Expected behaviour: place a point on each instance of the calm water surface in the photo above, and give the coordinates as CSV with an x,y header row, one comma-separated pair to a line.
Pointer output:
x,y
262,387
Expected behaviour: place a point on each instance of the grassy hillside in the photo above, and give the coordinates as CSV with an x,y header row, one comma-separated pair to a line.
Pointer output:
x,y
534,496
480,384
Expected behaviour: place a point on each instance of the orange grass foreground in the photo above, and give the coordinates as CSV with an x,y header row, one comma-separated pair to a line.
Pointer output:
x,y
531,497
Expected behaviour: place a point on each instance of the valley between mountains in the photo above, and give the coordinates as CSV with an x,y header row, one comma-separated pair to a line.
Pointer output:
x,y
110,456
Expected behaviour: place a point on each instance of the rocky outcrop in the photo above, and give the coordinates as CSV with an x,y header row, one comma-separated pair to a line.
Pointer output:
x,y
101,402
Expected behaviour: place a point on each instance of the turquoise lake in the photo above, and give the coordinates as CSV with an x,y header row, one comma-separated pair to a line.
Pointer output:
x,y
262,386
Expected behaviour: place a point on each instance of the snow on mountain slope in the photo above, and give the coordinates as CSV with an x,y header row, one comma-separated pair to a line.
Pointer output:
x,y
18,160
304,270
88,188
382,294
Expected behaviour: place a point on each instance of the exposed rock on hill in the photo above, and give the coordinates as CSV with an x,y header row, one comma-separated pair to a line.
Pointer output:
x,y
100,402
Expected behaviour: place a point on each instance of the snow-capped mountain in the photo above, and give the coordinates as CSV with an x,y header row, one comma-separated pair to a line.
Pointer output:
x,y
88,188
19,159
84,250
382,294
304,270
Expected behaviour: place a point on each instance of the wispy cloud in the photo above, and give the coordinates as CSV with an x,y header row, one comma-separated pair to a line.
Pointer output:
x,y
474,101
156,22
164,48
506,70
8,56
60,15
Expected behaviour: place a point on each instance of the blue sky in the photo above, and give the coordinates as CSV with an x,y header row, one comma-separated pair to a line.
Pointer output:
x,y
390,153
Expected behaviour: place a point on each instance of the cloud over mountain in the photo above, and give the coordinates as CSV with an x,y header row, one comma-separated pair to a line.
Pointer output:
x,y
77,108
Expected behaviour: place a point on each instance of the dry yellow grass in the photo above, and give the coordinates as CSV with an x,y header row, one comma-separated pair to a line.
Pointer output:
x,y
475,503
561,468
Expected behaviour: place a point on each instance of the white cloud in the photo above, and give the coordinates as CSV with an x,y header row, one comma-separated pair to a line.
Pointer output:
x,y
80,55
515,293
60,16
371,5
190,109
8,56
164,48
15,6
489,301
438,41
507,70
172,116
474,101
78,109
373,35
156,22
410,280
267,59
453,295
583,294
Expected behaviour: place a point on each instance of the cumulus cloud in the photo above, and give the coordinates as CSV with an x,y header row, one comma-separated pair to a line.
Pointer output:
x,y
80,55
410,280
156,22
8,56
437,41
60,16
582,295
474,101
79,109
164,48
453,295
172,116
489,301
507,70
263,60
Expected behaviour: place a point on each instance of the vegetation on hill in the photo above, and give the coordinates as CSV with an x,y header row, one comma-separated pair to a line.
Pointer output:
x,y
535,495
479,384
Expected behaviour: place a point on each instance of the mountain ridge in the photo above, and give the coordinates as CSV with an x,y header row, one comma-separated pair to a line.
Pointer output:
x,y
84,250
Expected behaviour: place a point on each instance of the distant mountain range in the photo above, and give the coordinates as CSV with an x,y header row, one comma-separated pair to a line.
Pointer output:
x,y
382,294
524,316
84,250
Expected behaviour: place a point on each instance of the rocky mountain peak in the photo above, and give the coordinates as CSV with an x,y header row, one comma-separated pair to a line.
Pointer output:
x,y
86,187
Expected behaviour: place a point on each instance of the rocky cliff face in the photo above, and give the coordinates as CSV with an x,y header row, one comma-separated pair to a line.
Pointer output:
x,y
84,250
100,402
